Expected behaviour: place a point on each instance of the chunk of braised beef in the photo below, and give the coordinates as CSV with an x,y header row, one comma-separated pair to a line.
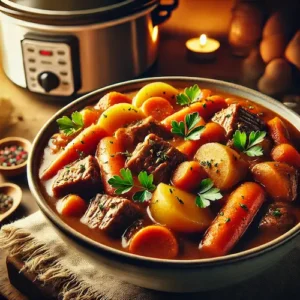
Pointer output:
x,y
235,117
157,157
111,214
136,133
82,177
278,219
131,231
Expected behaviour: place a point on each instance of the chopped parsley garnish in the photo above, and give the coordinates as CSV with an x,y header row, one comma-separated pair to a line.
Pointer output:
x,y
69,126
188,129
207,193
248,144
124,184
244,206
277,213
227,220
190,95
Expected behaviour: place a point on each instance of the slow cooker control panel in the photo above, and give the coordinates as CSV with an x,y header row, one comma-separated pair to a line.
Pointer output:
x,y
51,64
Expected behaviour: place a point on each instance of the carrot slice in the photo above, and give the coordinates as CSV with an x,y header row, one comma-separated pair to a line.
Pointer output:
x,y
231,223
206,109
188,176
278,131
213,132
111,99
71,206
286,153
86,143
90,116
157,107
110,161
154,241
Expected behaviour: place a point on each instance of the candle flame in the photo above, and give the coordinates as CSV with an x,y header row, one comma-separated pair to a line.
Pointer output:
x,y
202,39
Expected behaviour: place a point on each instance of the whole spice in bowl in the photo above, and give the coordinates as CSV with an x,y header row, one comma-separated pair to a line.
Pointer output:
x,y
6,202
10,198
13,155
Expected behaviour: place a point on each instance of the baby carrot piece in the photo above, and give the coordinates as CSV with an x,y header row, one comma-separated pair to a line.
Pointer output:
x,y
90,116
213,132
111,161
85,143
206,108
233,220
188,176
71,206
278,131
286,153
154,241
111,99
157,107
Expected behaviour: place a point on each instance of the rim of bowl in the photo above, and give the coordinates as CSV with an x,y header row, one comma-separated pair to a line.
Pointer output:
x,y
18,141
82,239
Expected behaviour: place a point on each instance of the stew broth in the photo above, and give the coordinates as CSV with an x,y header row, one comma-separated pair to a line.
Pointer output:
x,y
188,242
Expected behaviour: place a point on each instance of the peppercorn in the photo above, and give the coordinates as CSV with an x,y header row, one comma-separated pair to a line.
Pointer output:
x,y
12,156
6,203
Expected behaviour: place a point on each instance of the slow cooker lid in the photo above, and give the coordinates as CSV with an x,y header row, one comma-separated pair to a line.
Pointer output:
x,y
100,10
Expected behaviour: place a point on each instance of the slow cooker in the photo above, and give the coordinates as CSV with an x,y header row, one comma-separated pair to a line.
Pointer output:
x,y
70,47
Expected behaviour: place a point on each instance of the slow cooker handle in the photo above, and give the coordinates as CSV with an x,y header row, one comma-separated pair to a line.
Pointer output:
x,y
163,12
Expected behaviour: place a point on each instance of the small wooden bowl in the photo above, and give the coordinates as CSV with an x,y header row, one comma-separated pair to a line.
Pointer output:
x,y
13,191
15,141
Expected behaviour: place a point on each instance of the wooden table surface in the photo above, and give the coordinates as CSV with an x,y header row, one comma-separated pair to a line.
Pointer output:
x,y
32,111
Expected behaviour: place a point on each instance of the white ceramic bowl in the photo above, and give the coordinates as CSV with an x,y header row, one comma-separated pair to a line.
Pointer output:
x,y
160,274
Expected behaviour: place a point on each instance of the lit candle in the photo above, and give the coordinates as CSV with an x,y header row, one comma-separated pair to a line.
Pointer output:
x,y
203,47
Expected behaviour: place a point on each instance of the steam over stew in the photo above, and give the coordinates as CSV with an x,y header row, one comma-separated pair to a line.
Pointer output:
x,y
174,174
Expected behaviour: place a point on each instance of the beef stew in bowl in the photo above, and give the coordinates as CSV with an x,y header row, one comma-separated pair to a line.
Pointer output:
x,y
174,173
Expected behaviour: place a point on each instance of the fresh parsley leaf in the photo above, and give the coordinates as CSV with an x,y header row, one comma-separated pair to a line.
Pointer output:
x,y
188,129
146,180
178,128
70,126
277,213
240,140
123,183
256,137
182,99
254,151
207,193
251,147
195,134
190,95
191,120
142,196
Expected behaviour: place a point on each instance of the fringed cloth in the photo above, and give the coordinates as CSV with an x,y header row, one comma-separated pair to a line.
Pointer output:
x,y
70,273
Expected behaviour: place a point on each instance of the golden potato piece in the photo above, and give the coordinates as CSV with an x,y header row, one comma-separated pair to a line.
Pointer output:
x,y
118,116
177,210
222,164
155,89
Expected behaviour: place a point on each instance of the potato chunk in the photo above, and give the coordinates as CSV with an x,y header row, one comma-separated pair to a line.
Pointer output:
x,y
177,210
155,89
119,115
222,164
279,179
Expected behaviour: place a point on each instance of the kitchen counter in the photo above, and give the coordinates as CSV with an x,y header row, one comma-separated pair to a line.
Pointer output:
x,y
32,111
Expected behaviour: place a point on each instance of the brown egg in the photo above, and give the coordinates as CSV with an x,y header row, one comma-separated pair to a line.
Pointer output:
x,y
276,24
272,47
277,77
253,68
292,52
